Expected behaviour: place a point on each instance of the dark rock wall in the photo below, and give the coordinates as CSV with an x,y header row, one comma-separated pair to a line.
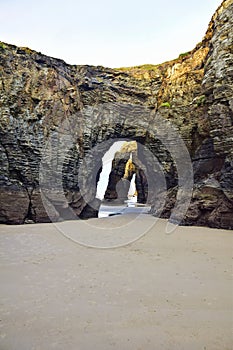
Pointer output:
x,y
194,92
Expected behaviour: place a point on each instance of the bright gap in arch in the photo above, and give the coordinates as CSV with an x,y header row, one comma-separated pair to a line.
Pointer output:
x,y
106,168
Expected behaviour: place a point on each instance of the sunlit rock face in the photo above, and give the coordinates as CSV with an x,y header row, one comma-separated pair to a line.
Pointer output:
x,y
39,94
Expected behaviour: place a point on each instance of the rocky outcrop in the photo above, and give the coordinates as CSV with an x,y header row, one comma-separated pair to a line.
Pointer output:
x,y
39,95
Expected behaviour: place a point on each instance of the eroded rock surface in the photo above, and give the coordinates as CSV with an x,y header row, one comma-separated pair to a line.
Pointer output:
x,y
38,94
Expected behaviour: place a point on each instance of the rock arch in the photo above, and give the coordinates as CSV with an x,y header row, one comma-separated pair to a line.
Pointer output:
x,y
38,93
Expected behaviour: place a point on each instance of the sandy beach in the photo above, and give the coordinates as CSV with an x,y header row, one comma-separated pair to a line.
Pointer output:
x,y
160,292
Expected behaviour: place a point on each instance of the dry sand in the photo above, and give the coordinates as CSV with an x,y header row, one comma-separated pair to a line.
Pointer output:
x,y
160,292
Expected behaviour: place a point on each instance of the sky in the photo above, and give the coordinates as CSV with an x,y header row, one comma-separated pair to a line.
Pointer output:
x,y
118,33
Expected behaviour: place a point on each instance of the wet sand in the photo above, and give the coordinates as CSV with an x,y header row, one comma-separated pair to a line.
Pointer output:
x,y
161,292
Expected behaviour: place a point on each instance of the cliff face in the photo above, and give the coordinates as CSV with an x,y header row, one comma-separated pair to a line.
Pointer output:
x,y
193,92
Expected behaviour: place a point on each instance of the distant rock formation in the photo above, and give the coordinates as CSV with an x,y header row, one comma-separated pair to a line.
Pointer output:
x,y
125,164
194,92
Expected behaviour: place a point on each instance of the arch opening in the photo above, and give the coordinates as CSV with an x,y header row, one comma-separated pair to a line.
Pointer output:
x,y
122,182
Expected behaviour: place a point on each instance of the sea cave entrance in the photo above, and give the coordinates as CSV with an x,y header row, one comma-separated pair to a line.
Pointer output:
x,y
122,186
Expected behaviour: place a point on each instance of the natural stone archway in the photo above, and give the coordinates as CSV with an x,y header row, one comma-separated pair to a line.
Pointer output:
x,y
57,173
194,92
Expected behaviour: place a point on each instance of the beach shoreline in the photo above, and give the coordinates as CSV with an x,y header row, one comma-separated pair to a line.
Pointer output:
x,y
160,292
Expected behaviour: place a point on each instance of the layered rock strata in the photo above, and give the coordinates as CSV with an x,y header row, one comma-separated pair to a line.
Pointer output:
x,y
42,98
